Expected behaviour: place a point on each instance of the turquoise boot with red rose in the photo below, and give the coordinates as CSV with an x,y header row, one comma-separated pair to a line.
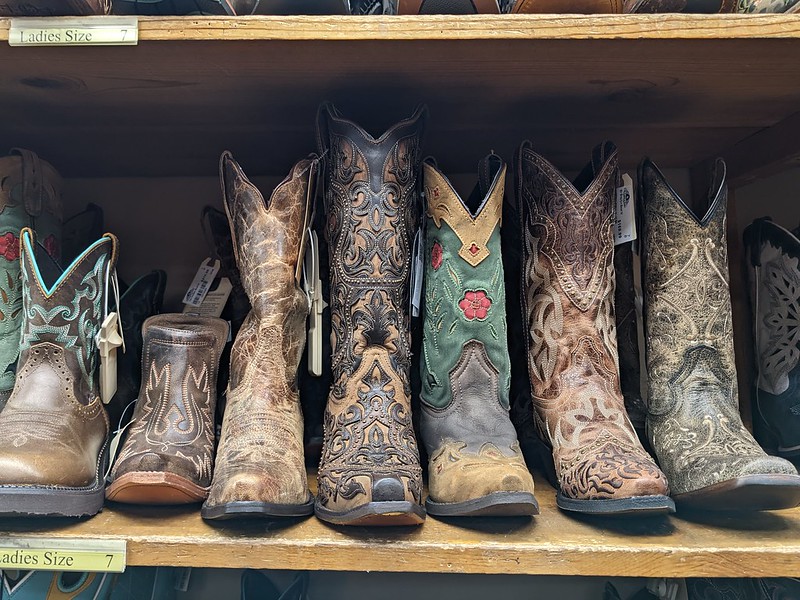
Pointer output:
x,y
475,463
30,196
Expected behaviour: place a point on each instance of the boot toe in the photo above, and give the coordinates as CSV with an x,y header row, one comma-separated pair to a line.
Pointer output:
x,y
256,487
614,475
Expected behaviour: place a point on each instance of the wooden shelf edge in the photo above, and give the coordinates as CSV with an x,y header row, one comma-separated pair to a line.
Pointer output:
x,y
442,27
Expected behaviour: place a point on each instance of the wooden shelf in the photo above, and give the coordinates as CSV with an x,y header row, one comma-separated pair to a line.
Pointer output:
x,y
553,543
679,88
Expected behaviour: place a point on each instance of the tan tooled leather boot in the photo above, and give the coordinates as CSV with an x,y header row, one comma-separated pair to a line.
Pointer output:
x,y
260,469
370,471
693,418
568,300
54,429
168,455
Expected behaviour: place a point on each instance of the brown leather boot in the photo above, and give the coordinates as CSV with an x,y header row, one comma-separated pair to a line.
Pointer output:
x,y
568,298
260,468
693,417
370,471
169,453
54,429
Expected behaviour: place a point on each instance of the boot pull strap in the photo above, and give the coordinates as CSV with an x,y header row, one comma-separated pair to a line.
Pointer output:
x,y
32,181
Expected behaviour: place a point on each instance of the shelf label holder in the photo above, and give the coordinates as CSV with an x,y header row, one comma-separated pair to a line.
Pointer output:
x,y
42,554
74,31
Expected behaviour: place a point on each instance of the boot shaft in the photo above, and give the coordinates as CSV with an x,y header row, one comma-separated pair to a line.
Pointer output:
x,y
269,240
67,314
371,195
687,299
464,289
568,269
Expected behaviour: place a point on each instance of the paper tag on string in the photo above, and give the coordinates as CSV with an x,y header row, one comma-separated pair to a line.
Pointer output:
x,y
108,339
417,273
214,302
201,283
625,212
316,304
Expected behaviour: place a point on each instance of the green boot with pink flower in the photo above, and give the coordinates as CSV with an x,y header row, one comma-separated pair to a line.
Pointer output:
x,y
30,196
475,463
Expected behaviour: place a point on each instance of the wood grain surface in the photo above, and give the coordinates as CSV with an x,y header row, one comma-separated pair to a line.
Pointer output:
x,y
678,88
552,543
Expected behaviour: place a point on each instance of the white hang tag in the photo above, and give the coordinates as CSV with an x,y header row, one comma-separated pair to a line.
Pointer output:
x,y
316,304
108,339
201,283
214,302
625,212
417,273
113,447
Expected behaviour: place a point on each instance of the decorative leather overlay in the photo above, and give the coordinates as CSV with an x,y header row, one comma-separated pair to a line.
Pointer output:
x,y
474,232
568,299
260,456
371,195
767,6
55,401
173,425
775,277
693,407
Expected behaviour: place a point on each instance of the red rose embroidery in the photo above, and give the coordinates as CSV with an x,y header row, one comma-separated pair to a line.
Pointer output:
x,y
436,256
9,246
475,305
51,245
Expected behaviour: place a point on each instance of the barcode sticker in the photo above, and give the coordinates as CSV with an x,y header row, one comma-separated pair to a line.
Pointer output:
x,y
201,283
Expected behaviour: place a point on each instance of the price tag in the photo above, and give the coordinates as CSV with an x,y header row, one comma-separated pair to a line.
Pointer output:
x,y
624,213
201,283
96,31
106,556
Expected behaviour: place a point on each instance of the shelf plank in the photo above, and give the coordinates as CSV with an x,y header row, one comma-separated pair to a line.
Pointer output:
x,y
553,543
464,27
686,88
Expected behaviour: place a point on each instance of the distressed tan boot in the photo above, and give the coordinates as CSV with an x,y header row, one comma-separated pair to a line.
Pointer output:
x,y
260,469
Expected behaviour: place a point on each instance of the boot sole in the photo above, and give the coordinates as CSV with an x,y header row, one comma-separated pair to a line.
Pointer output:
x,y
750,493
375,514
149,487
252,509
635,506
497,504
55,501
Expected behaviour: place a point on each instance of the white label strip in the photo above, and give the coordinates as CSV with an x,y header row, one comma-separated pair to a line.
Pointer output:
x,y
85,31
108,556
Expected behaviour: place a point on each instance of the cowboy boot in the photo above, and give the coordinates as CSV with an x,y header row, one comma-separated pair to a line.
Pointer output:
x,y
775,291
568,299
168,455
141,300
370,471
475,462
80,230
567,6
30,196
260,468
54,429
693,419
654,6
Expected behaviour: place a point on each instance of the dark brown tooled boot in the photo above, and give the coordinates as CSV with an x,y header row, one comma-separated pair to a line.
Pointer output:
x,y
260,468
169,454
54,429
568,300
370,471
